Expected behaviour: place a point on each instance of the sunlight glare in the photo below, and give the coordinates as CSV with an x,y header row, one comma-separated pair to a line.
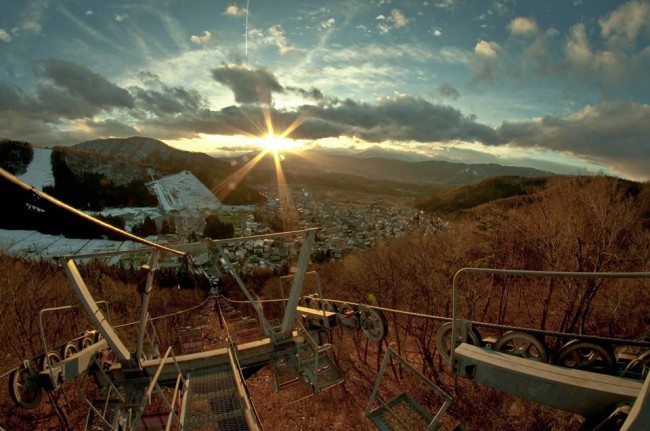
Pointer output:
x,y
274,143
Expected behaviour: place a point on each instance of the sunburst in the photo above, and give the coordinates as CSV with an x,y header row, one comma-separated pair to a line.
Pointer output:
x,y
275,144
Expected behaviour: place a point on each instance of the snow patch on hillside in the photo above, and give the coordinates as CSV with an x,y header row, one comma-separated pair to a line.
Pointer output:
x,y
183,191
39,172
35,245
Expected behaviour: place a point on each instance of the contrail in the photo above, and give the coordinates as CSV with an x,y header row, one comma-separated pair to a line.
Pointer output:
x,y
246,36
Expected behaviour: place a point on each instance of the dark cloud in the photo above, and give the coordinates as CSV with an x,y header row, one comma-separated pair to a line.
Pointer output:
x,y
407,118
446,90
247,84
160,99
313,94
84,83
615,133
10,97
51,103
167,100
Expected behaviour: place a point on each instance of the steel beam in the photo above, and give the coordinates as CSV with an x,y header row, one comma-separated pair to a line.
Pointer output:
x,y
94,313
296,287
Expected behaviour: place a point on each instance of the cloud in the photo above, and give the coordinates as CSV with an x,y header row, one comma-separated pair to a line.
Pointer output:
x,y
234,10
446,90
89,12
445,4
487,49
4,36
279,39
121,17
437,32
84,83
537,55
205,38
313,94
397,18
484,64
402,118
327,24
615,133
247,84
161,99
621,27
522,26
577,46
33,15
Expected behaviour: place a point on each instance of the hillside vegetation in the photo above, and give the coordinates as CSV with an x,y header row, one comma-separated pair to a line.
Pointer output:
x,y
459,199
148,152
91,181
15,156
589,224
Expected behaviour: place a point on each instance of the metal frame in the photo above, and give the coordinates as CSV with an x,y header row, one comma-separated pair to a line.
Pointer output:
x,y
558,274
375,391
584,392
144,308
94,313
42,332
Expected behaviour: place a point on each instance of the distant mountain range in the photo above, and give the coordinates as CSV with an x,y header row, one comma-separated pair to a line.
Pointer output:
x,y
370,167
387,168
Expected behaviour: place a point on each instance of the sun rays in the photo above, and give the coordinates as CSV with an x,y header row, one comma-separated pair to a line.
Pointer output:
x,y
272,144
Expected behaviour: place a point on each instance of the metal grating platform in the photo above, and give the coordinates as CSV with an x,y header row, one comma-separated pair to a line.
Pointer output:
x,y
213,402
327,374
110,410
303,364
412,416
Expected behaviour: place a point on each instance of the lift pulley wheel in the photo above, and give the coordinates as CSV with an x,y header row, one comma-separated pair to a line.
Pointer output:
x,y
588,356
53,358
373,323
522,344
69,349
87,340
443,339
24,388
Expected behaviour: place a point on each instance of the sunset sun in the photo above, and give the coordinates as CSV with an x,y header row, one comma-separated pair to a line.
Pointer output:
x,y
272,142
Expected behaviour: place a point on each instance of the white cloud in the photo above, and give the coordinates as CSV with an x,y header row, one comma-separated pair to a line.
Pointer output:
x,y
484,64
397,18
121,17
522,26
279,39
487,49
622,26
445,4
89,12
205,38
4,36
234,10
327,24
577,46
437,32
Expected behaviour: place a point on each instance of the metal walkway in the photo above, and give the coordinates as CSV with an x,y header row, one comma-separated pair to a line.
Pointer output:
x,y
213,402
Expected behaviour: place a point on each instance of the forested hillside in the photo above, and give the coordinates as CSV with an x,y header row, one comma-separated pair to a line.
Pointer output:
x,y
571,224
15,156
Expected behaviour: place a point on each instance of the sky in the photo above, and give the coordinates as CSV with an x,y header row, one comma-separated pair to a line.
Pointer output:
x,y
560,85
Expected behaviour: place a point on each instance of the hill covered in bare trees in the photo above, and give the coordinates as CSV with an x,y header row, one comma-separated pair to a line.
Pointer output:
x,y
590,224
